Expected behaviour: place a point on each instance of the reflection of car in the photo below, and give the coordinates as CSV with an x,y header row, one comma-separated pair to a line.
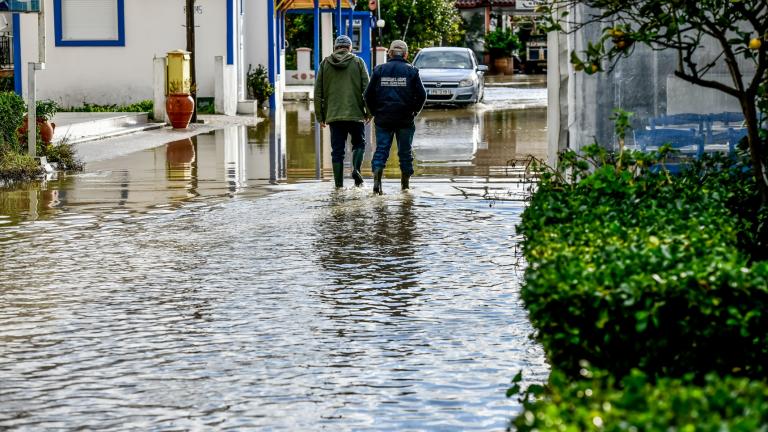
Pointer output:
x,y
451,75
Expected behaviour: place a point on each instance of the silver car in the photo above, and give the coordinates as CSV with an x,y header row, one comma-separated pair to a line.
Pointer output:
x,y
451,75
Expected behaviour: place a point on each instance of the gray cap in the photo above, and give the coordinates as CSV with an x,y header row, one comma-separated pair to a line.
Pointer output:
x,y
343,41
398,47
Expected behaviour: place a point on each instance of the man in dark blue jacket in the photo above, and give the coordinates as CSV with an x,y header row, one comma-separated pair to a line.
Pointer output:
x,y
394,97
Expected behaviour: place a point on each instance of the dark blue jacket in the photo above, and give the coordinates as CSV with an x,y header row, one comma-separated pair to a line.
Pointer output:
x,y
395,94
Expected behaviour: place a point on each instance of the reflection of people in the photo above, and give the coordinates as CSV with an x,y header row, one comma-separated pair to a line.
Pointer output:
x,y
395,96
339,88
377,274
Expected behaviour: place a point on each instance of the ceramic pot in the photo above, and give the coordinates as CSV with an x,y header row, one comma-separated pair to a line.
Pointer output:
x,y
179,108
46,130
501,65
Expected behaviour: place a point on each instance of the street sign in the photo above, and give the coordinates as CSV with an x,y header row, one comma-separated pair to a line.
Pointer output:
x,y
20,6
373,4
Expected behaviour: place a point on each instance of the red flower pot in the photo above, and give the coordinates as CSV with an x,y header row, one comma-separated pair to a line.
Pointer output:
x,y
45,128
179,108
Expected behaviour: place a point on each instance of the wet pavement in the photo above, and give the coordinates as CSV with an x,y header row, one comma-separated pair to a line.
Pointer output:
x,y
215,283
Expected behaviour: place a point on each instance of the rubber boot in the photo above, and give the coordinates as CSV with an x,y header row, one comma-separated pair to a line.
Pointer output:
x,y
404,181
357,163
377,181
338,174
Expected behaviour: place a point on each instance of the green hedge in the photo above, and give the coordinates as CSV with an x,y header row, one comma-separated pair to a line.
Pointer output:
x,y
637,403
634,269
12,110
142,106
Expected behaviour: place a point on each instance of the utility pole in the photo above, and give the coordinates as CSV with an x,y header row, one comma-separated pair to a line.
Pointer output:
x,y
373,5
33,67
190,13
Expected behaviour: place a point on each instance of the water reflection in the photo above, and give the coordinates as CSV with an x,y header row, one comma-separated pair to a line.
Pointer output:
x,y
180,157
370,251
178,288
448,142
236,160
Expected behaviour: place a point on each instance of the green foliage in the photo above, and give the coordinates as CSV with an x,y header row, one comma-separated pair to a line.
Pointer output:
x,y
632,268
46,109
16,166
501,43
422,23
6,84
143,106
258,84
298,33
639,403
734,28
12,110
62,154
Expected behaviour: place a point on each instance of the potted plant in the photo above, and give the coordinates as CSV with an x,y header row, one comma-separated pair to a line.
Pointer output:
x,y
258,84
179,104
501,45
44,112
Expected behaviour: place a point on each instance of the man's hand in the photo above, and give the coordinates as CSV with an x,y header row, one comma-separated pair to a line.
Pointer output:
x,y
368,119
322,125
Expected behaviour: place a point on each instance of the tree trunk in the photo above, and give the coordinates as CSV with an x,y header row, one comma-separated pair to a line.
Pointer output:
x,y
757,156
756,150
190,14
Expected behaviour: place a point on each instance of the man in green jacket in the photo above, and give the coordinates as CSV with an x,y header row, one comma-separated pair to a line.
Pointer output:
x,y
339,88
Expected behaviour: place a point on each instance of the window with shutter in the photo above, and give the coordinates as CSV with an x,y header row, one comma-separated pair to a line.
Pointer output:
x,y
89,22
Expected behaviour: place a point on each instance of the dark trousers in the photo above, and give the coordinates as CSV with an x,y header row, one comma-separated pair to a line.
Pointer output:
x,y
384,137
339,132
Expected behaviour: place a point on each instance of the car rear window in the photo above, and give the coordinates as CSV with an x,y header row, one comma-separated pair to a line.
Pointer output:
x,y
443,60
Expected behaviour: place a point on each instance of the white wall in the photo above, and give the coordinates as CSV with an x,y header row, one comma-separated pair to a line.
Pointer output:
x,y
256,33
120,75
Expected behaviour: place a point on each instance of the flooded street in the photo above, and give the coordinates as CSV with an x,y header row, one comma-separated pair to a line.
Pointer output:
x,y
215,283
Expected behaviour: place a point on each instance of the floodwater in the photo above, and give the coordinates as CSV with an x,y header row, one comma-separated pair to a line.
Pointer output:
x,y
215,283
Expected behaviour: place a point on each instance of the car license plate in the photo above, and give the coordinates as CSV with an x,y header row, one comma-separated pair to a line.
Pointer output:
x,y
439,92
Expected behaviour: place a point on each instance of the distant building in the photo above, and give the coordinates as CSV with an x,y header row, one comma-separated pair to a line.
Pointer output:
x,y
484,16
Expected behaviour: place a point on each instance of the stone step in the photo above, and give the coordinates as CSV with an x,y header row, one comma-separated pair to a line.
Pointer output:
x,y
80,127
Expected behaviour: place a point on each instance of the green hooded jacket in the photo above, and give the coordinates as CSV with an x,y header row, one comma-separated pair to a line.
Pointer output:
x,y
339,88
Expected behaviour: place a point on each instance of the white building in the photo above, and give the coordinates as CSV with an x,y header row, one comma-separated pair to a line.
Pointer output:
x,y
102,51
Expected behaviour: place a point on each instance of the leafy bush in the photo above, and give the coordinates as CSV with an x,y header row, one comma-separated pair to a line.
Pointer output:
x,y
258,84
46,109
12,110
631,268
638,403
15,166
501,43
142,106
62,154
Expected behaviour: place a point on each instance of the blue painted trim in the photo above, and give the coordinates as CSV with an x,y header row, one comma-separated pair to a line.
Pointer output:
x,y
316,48
310,11
17,70
59,32
339,30
230,32
271,46
350,22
